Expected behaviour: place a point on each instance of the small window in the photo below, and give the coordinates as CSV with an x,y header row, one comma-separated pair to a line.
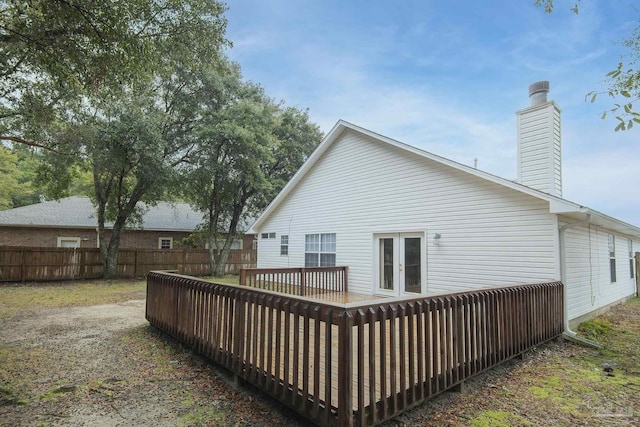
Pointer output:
x,y
320,250
264,236
284,245
272,235
612,257
165,243
68,242
632,260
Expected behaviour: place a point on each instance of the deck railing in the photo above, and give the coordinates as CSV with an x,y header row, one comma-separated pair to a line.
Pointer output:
x,y
303,281
353,364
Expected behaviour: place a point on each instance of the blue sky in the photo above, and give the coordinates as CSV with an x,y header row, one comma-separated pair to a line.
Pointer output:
x,y
447,77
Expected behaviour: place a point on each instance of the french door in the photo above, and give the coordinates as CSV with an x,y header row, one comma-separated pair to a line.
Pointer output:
x,y
400,263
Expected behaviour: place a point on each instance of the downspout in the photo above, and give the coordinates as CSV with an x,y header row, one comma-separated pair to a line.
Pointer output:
x,y
568,334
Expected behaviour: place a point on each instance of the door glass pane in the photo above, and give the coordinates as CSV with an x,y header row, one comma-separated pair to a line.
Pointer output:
x,y
412,270
386,263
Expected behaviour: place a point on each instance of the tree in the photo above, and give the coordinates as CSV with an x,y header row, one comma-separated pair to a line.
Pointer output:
x,y
248,148
118,102
622,82
53,51
8,182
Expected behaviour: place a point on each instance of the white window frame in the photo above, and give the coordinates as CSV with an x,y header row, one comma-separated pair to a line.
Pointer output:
x,y
284,245
322,244
613,274
160,239
61,239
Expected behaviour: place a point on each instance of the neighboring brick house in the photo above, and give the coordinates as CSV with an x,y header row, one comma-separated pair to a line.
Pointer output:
x,y
71,222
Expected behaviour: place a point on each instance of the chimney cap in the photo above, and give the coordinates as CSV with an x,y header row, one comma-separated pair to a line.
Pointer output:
x,y
538,92
542,86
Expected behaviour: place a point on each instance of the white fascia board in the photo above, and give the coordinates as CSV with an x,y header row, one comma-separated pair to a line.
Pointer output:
x,y
560,206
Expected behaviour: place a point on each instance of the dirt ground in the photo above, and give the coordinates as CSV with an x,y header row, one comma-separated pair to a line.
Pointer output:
x,y
103,365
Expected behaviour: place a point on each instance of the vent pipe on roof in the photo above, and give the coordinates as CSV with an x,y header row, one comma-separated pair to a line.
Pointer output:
x,y
538,92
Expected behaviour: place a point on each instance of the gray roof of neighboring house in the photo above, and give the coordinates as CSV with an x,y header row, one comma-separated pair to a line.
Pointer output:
x,y
79,212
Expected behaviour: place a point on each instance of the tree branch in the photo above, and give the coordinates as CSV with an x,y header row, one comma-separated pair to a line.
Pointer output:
x,y
29,143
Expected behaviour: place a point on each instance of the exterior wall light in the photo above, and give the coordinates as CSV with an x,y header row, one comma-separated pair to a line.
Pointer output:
x,y
436,239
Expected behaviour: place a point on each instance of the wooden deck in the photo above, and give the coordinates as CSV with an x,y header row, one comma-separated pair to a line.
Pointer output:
x,y
351,359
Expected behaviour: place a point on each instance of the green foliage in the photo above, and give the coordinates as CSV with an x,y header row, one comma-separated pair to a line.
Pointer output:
x,y
595,329
247,148
8,182
623,83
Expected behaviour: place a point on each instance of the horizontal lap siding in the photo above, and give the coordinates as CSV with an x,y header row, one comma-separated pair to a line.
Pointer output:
x,y
539,148
588,281
491,235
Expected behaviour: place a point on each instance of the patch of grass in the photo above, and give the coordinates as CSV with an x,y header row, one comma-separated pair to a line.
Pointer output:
x,y
595,329
202,416
16,298
498,419
19,368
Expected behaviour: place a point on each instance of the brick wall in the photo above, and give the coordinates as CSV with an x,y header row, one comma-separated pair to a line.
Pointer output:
x,y
48,237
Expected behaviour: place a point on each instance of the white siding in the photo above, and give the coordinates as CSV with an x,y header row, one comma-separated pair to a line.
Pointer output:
x,y
539,150
588,281
491,235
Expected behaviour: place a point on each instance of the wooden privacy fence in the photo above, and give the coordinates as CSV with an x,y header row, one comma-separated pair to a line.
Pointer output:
x,y
22,264
353,364
304,281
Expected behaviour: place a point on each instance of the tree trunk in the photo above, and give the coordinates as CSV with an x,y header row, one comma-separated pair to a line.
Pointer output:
x,y
223,254
111,260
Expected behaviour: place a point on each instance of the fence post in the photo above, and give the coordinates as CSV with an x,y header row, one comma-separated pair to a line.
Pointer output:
x,y
303,281
345,280
135,263
243,277
184,261
22,266
345,371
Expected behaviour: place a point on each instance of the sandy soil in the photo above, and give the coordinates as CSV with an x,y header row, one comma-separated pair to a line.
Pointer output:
x,y
104,365
81,370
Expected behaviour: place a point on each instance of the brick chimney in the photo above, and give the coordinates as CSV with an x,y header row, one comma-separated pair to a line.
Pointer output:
x,y
539,142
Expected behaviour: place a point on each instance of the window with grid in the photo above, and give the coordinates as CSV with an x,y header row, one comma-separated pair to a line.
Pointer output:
x,y
284,245
320,250
165,243
612,257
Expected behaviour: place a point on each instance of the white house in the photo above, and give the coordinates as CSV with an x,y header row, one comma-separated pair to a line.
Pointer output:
x,y
409,222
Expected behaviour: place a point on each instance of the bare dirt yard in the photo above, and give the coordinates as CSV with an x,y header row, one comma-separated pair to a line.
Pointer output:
x,y
82,354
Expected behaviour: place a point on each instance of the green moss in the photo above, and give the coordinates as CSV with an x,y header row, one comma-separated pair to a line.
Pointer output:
x,y
499,419
595,329
202,416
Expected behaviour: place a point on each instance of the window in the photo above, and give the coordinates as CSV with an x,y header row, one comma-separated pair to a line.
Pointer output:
x,y
632,261
320,250
165,243
68,242
268,236
612,257
284,245
254,244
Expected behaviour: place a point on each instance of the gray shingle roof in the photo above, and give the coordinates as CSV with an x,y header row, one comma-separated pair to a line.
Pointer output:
x,y
78,212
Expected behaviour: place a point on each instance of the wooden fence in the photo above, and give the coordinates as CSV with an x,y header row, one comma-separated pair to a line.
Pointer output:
x,y
353,364
32,264
304,281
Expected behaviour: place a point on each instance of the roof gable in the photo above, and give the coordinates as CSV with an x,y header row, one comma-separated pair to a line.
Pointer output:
x,y
556,204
